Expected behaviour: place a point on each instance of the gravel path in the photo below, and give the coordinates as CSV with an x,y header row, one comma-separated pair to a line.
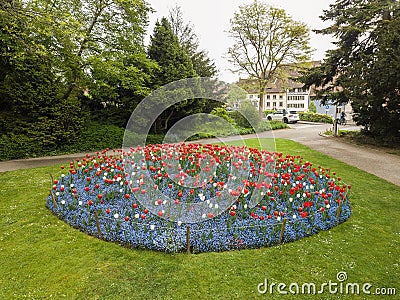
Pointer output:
x,y
373,161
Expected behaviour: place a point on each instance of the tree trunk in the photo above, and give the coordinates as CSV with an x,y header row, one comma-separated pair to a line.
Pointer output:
x,y
82,47
167,120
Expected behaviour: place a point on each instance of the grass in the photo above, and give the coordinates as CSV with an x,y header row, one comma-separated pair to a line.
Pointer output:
x,y
42,257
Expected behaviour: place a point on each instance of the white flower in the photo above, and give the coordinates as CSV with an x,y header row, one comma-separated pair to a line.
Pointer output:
x,y
245,206
208,201
328,206
80,202
152,227
62,175
116,215
298,195
136,216
155,203
294,216
121,190
203,216
57,193
179,223
290,199
311,187
105,173
62,202
216,206
210,205
278,219
71,185
262,193
214,184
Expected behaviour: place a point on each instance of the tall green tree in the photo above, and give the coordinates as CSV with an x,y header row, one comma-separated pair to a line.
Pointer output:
x,y
265,40
174,64
52,52
364,68
188,39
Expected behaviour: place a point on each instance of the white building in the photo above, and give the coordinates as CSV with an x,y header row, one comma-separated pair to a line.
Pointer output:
x,y
282,94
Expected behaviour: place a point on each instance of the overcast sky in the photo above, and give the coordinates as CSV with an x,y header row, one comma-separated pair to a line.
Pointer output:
x,y
210,19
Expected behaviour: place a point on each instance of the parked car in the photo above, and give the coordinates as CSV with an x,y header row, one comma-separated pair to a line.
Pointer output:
x,y
284,116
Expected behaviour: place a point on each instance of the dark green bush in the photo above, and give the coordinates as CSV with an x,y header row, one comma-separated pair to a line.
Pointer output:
x,y
312,117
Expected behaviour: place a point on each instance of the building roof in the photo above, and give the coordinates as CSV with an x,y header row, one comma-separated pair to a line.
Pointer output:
x,y
279,85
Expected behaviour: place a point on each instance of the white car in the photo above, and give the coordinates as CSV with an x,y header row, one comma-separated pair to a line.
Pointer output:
x,y
284,116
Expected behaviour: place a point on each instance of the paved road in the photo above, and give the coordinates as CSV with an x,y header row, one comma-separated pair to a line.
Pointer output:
x,y
373,161
376,162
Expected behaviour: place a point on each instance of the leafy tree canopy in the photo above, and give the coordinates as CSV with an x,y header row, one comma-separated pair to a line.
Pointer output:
x,y
265,39
364,68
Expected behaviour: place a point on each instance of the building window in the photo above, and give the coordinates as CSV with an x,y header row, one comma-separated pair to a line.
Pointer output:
x,y
268,104
274,97
267,96
274,104
280,104
280,97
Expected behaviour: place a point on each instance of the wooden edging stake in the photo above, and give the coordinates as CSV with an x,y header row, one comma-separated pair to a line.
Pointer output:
x,y
188,239
53,198
282,231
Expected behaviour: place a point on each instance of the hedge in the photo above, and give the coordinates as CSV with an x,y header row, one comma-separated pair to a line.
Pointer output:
x,y
95,137
313,117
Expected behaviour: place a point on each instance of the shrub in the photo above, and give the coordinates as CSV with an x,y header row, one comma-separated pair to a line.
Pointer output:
x,y
312,108
312,117
221,112
267,112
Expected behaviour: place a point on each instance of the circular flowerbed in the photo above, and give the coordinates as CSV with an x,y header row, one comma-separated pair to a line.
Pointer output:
x,y
174,197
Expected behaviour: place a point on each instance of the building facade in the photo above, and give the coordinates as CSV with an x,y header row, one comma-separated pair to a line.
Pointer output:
x,y
281,94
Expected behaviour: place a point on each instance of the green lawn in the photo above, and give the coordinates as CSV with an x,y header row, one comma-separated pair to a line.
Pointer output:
x,y
42,257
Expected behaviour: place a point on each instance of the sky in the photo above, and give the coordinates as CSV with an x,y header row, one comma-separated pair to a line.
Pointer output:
x,y
210,20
